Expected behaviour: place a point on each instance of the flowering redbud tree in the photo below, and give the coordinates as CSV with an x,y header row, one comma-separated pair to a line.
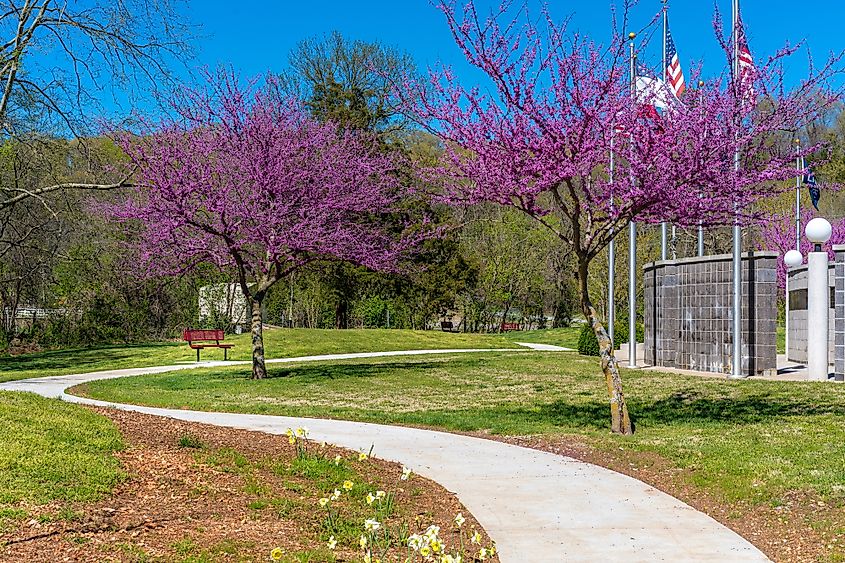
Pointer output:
x,y
250,183
539,138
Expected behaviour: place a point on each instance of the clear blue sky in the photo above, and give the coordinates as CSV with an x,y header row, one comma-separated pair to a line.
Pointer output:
x,y
256,36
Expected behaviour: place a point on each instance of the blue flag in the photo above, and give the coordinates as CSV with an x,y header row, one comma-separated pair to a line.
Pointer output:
x,y
815,192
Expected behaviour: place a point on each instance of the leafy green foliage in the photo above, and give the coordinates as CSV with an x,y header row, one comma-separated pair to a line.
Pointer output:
x,y
588,345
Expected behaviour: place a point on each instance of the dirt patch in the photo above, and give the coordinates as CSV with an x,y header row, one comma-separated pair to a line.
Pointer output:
x,y
204,493
804,528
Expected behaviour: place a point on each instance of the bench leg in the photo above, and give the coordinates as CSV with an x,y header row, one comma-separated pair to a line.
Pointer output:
x,y
198,354
225,357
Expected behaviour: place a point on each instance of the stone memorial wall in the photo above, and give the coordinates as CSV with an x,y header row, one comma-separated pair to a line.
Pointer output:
x,y
689,311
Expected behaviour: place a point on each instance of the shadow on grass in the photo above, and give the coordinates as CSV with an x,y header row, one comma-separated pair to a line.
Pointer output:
x,y
77,357
682,408
313,373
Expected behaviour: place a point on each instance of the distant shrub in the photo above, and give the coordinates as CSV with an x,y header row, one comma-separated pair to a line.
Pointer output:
x,y
589,346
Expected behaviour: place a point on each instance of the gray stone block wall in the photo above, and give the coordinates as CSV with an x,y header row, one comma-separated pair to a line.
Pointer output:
x,y
798,322
839,313
689,313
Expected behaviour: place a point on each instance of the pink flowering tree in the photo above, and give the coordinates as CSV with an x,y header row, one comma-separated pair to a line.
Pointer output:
x,y
538,138
250,183
777,234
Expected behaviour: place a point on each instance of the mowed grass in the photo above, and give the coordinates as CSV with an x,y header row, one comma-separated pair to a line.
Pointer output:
x,y
279,343
54,451
746,440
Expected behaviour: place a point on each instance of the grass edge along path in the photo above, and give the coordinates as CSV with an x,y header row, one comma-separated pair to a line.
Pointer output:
x,y
761,443
53,451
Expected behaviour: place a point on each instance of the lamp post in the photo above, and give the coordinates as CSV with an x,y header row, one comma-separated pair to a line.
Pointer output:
x,y
791,259
818,296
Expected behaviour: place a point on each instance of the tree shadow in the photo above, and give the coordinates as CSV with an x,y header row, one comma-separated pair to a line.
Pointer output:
x,y
320,372
679,408
81,358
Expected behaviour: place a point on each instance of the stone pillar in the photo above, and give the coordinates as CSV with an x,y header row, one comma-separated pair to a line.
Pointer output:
x,y
818,292
839,313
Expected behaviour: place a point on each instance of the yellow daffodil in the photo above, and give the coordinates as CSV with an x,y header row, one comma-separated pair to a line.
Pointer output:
x,y
362,541
347,485
332,543
370,498
436,546
425,551
362,456
459,520
302,432
324,501
291,439
276,554
492,550
482,553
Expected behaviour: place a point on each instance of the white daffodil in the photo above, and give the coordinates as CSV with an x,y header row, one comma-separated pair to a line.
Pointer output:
x,y
370,498
415,542
380,494
459,520
406,473
337,459
324,501
332,543
371,525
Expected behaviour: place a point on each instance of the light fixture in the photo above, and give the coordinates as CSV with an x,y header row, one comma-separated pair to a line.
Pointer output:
x,y
793,258
818,232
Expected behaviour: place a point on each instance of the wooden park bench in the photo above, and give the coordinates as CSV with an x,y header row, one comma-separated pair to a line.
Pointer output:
x,y
203,338
447,326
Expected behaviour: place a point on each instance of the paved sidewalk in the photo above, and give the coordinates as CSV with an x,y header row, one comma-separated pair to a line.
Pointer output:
x,y
537,506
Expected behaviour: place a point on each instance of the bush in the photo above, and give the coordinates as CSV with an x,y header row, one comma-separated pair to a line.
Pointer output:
x,y
589,346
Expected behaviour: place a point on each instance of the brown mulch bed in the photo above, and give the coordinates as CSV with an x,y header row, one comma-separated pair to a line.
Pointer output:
x,y
223,502
803,529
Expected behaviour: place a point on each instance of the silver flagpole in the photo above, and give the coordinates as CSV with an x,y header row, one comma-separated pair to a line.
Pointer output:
x,y
632,252
611,257
663,224
799,168
736,364
700,226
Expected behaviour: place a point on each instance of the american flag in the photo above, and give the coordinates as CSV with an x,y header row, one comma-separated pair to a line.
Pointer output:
x,y
747,70
674,74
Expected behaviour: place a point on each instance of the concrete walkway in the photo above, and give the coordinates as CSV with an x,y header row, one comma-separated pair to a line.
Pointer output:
x,y
537,506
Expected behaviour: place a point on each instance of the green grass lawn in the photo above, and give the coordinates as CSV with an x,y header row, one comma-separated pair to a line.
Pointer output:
x,y
747,440
53,451
279,343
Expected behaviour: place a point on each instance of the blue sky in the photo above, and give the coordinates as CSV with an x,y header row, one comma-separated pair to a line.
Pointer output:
x,y
256,36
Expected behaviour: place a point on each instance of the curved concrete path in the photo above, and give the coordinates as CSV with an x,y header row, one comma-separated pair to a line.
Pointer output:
x,y
539,507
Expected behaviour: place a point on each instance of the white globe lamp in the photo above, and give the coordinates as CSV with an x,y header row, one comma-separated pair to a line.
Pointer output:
x,y
793,258
818,232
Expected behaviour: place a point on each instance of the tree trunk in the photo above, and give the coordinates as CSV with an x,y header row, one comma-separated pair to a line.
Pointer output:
x,y
620,421
259,369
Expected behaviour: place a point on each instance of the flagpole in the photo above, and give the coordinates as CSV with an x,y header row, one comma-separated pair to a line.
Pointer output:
x,y
799,168
736,364
632,251
611,254
663,224
700,225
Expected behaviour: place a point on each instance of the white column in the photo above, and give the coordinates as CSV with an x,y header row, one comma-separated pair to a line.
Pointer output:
x,y
818,295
